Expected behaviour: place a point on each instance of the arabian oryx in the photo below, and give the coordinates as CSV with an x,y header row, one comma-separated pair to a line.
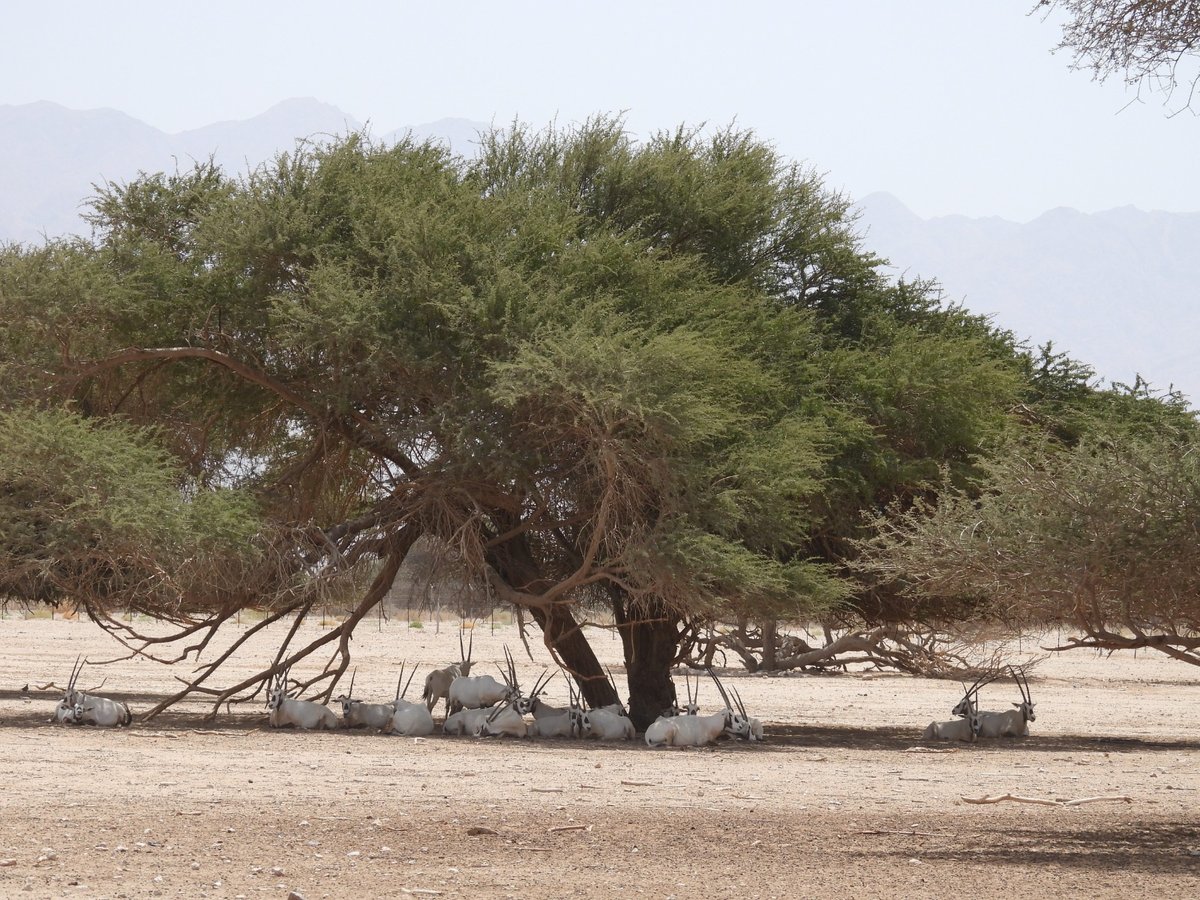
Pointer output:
x,y
566,723
437,682
697,730
534,705
466,721
78,708
479,691
508,717
284,711
1010,722
408,718
966,728
357,714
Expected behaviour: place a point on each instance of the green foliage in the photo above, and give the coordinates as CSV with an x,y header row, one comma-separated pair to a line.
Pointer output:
x,y
96,508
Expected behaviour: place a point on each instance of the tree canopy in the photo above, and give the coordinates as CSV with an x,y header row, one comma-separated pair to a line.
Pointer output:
x,y
659,378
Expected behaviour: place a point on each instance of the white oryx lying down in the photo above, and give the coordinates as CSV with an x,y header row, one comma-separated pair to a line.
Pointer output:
x,y
408,718
78,708
284,711
1010,722
357,714
966,728
466,721
437,682
558,723
697,730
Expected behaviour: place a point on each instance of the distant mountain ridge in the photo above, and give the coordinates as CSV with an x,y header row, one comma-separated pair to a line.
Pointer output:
x,y
50,156
1117,290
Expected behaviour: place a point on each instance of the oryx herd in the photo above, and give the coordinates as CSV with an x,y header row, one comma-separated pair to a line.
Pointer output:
x,y
480,705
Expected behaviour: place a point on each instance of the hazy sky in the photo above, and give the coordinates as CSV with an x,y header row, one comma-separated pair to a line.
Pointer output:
x,y
954,106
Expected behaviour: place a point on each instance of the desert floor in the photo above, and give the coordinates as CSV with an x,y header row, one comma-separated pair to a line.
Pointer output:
x,y
834,804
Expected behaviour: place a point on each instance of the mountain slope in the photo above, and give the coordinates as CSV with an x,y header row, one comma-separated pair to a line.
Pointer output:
x,y
1118,290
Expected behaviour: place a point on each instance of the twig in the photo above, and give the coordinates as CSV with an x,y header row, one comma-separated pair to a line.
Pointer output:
x,y
888,831
932,750
569,828
547,790
1001,798
1083,800
1040,801
640,783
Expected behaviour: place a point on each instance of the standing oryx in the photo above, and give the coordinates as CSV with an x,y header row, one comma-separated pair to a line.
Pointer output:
x,y
966,728
284,711
1010,722
78,708
437,682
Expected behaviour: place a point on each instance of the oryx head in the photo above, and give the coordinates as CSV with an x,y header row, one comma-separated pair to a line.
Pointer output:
x,y
737,722
575,713
970,698
347,699
526,705
71,696
693,704
277,692
1026,705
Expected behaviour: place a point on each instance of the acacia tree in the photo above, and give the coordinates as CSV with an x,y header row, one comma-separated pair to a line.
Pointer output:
x,y
661,378
1150,43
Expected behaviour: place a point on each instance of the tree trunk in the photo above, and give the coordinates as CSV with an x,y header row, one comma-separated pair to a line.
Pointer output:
x,y
650,635
563,633
515,564
770,646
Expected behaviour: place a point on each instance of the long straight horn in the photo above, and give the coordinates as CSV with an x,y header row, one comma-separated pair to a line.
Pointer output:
x,y
410,678
1017,676
687,683
76,668
721,688
512,669
740,705
470,645
352,674
398,680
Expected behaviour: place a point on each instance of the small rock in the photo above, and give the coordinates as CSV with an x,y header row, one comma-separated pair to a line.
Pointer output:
x,y
5,863
295,895
354,853
276,870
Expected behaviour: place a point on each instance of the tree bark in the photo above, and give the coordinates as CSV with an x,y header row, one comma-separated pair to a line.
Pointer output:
x,y
770,646
562,634
650,635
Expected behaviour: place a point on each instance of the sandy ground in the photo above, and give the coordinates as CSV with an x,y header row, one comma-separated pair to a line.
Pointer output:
x,y
833,805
